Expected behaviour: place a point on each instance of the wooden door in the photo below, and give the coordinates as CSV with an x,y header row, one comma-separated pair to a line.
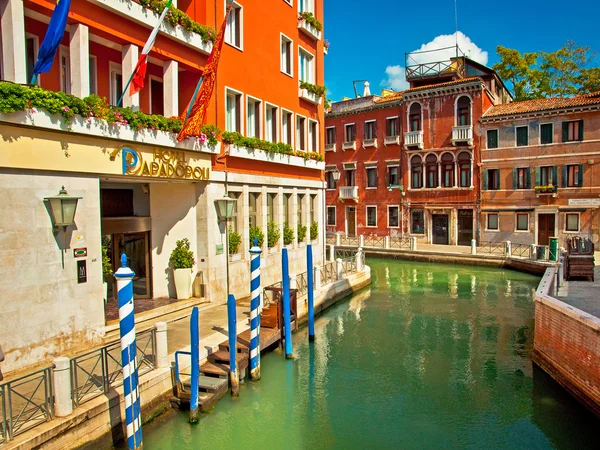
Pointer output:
x,y
545,228
465,226
440,229
351,221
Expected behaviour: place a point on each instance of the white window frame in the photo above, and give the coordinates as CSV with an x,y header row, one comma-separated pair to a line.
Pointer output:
x,y
311,67
517,222
487,221
289,2
64,51
540,132
242,116
578,222
36,50
346,125
367,216
276,120
308,135
487,147
292,124
250,98
388,216
94,70
282,38
114,69
241,8
155,78
310,6
305,132
334,216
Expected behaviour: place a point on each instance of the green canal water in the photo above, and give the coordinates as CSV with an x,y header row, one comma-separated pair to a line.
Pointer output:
x,y
429,356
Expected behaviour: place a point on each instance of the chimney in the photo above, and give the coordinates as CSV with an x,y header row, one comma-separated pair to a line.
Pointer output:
x,y
367,91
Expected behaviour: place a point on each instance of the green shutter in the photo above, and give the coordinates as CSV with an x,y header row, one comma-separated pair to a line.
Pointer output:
x,y
515,178
580,175
565,127
581,130
528,181
537,176
565,176
485,179
555,175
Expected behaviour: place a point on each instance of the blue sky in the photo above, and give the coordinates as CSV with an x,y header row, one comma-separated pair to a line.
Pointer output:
x,y
368,37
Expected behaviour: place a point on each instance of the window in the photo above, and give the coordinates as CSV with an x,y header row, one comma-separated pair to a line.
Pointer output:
x,y
572,131
415,117
391,126
300,133
349,177
31,53
492,221
233,120
432,171
331,215
254,120
156,96
65,69
573,175
546,133
350,132
447,170
463,111
300,209
253,205
491,180
234,217
93,75
330,135
370,130
287,210
492,138
572,222
522,136
392,175
329,179
233,30
372,177
116,83
271,202
546,176
313,203
522,222
271,123
286,55
416,172
393,217
305,5
371,216
521,178
313,136
306,66
417,221
286,127
464,167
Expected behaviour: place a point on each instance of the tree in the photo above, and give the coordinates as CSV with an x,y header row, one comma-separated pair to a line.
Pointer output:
x,y
562,73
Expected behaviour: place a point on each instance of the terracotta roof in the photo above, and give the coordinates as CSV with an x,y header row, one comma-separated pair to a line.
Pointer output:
x,y
389,98
447,83
542,104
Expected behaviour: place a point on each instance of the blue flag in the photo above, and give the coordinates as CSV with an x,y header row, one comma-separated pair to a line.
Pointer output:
x,y
56,30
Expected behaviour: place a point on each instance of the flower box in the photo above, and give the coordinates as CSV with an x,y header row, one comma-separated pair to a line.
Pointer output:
x,y
308,29
277,158
305,94
546,190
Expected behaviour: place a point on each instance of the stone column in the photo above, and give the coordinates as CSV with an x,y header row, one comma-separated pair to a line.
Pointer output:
x,y
294,210
79,52
338,239
130,55
13,42
413,245
63,403
317,277
245,211
358,256
339,268
473,247
508,249
262,218
386,242
361,241
332,253
171,87
162,352
293,281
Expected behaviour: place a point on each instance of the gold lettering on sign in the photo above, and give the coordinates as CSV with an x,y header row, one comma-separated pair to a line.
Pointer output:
x,y
164,164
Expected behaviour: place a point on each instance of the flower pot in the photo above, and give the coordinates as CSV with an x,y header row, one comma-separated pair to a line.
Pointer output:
x,y
183,283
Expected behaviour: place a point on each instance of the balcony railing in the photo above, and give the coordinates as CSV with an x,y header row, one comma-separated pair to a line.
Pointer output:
x,y
369,143
413,139
349,193
349,145
462,133
330,147
391,140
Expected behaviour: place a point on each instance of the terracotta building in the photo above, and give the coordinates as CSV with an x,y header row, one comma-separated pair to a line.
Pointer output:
x,y
538,161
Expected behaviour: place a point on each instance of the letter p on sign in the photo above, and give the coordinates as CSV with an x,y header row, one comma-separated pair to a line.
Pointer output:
x,y
130,160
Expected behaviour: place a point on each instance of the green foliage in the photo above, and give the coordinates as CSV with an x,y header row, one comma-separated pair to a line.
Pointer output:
x,y
562,73
177,17
256,232
310,18
316,89
288,234
235,138
273,234
182,257
301,232
235,239
314,231
106,264
16,97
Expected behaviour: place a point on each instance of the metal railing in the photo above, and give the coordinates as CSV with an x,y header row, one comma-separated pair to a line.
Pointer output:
x,y
349,240
374,241
25,403
401,243
95,373
492,248
328,273
344,254
330,240
302,283
349,266
520,250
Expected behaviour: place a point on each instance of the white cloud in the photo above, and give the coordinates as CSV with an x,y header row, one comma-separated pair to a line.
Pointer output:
x,y
395,74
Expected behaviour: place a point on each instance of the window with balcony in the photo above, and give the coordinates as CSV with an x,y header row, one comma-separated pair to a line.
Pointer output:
x,y
371,216
234,27
416,172
572,175
286,127
300,133
350,178
329,179
521,178
253,207
306,66
492,221
522,220
432,171
463,111
233,111
286,55
156,96
447,170
32,45
253,119
313,136
271,121
116,83
391,127
464,167
572,222
350,130
546,133
371,177
370,130
417,221
572,131
393,176
415,121
522,136
331,216
492,139
491,180
393,217
546,176
330,135
65,69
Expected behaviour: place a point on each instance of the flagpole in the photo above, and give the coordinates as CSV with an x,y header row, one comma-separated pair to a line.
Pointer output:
x,y
193,100
129,81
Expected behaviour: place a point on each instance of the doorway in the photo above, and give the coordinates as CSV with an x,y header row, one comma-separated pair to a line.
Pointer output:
x,y
136,247
546,224
351,220
440,229
465,226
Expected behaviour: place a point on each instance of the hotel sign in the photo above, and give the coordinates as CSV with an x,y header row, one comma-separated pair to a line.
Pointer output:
x,y
584,202
161,163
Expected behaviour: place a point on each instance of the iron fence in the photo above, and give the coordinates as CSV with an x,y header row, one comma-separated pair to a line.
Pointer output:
x,y
330,239
492,248
25,403
374,241
520,250
401,243
349,266
344,254
350,240
96,372
542,252
302,283
328,273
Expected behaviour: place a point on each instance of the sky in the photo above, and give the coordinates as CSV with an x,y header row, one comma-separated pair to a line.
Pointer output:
x,y
369,39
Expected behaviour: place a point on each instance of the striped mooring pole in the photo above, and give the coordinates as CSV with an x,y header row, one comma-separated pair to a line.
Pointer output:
x,y
195,351
234,381
285,278
131,389
255,252
311,293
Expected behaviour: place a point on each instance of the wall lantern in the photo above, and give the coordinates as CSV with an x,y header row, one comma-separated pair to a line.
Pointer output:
x,y
336,175
225,207
62,209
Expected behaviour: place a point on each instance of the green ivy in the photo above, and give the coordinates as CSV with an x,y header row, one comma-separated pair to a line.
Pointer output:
x,y
256,232
235,138
106,264
301,232
273,234
310,18
288,234
182,257
316,89
314,231
235,239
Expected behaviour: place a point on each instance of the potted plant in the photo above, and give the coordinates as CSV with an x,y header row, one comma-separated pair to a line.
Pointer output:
x,y
182,260
314,231
301,232
288,234
107,270
273,234
235,240
256,232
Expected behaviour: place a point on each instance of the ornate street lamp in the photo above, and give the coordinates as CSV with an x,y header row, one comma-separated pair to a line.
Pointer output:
x,y
336,176
62,209
225,212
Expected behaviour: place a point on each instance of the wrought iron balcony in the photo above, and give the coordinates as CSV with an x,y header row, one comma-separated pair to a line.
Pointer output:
x,y
413,139
462,133
349,193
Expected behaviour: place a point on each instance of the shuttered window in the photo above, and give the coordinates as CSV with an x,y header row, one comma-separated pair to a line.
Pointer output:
x,y
546,133
491,179
521,178
572,175
492,139
522,136
572,131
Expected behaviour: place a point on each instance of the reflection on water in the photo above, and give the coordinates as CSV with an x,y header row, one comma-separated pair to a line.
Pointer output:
x,y
430,356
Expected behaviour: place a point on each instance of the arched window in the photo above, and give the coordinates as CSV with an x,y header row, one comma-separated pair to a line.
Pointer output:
x,y
464,169
416,172
432,171
415,117
447,170
463,111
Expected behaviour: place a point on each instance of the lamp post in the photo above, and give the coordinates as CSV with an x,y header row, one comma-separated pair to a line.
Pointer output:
x,y
336,176
62,209
225,212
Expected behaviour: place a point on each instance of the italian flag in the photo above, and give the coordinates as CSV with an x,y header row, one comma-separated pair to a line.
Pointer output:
x,y
139,74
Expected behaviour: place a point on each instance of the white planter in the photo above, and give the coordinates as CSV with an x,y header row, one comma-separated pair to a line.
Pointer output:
x,y
309,96
183,283
277,158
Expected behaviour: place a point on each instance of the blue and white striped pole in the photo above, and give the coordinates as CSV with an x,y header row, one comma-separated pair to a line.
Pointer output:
x,y
131,389
195,357
234,381
255,252
285,275
311,293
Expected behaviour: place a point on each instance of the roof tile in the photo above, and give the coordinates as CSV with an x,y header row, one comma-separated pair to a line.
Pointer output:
x,y
542,104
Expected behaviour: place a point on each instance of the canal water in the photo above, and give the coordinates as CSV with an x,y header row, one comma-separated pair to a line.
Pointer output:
x,y
428,356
